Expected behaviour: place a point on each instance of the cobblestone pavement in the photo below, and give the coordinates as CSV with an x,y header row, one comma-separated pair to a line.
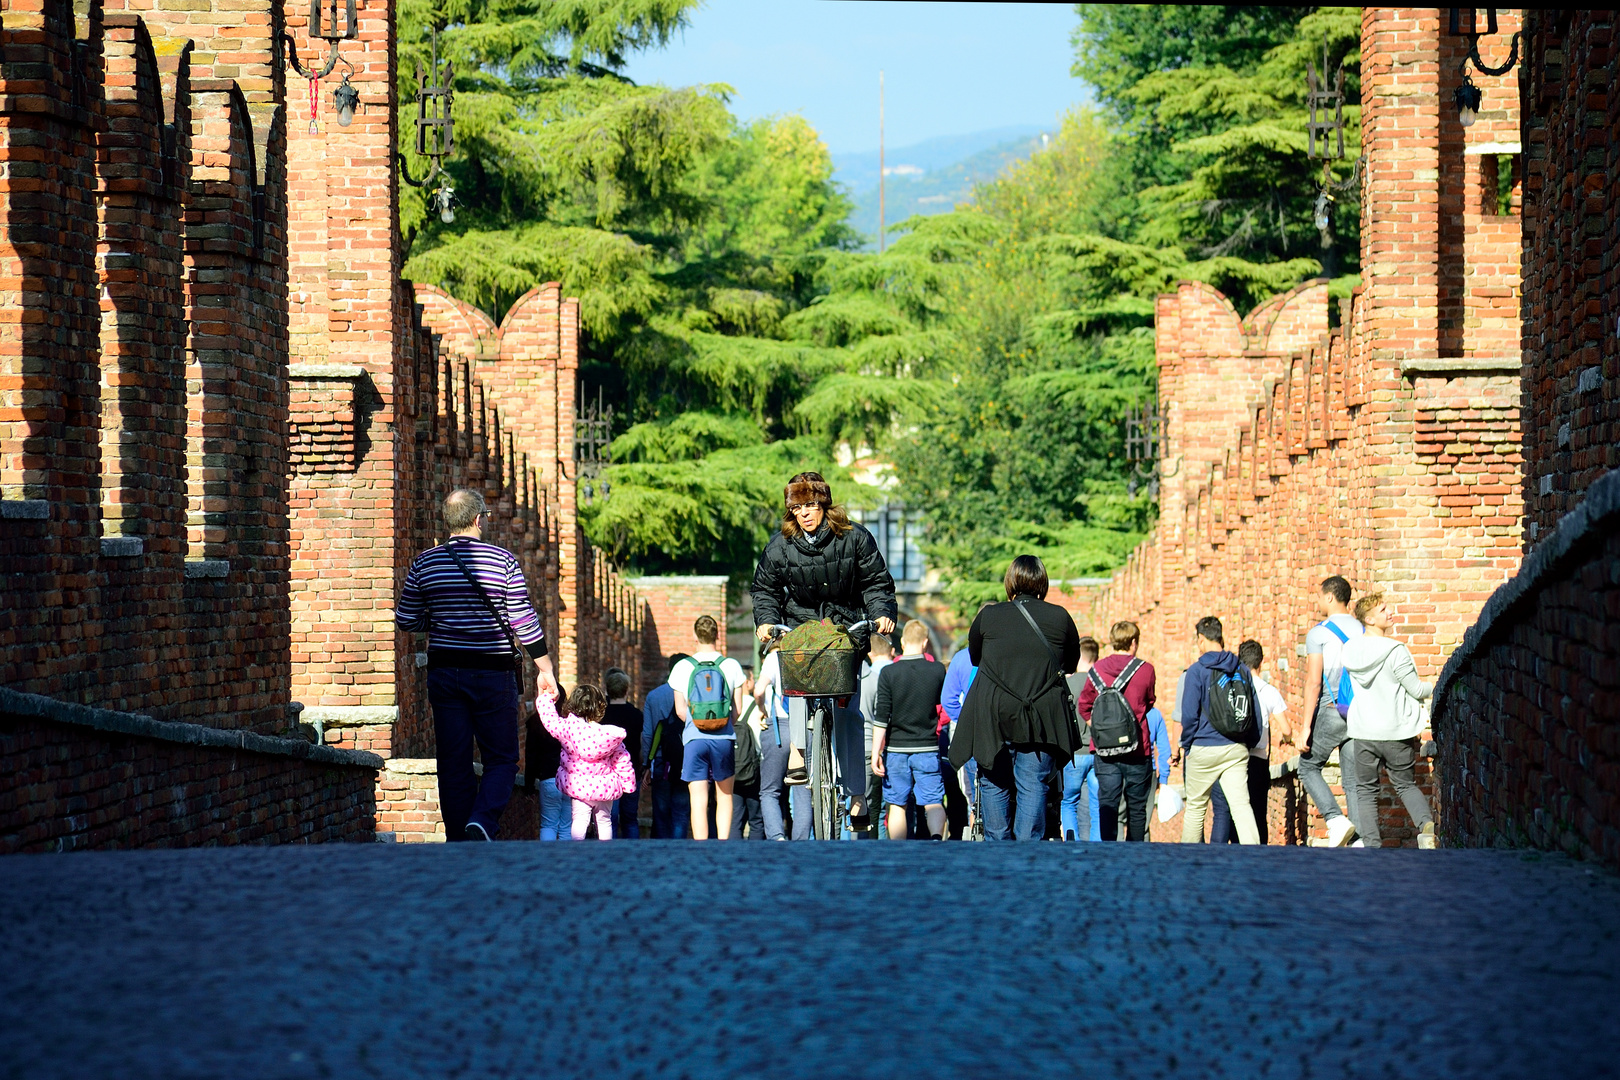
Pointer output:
x,y
806,960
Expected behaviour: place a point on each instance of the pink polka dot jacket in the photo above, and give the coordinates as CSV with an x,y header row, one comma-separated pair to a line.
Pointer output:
x,y
595,765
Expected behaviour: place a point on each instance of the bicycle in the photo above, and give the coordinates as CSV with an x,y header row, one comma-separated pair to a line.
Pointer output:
x,y
826,811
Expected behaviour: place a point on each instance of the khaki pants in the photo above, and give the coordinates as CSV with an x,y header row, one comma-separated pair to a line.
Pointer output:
x,y
1204,767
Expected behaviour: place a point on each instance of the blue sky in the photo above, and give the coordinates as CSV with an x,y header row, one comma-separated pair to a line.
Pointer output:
x,y
949,69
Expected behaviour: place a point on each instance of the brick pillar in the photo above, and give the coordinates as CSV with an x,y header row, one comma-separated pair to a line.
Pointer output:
x,y
352,379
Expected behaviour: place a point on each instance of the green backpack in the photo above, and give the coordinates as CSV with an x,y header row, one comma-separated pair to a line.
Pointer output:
x,y
708,696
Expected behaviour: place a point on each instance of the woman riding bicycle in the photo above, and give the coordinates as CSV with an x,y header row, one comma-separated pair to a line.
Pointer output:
x,y
822,566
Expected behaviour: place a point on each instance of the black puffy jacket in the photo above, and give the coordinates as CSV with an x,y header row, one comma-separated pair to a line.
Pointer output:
x,y
843,579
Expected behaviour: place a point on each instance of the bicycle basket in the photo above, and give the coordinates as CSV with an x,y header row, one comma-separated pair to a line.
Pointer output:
x,y
819,660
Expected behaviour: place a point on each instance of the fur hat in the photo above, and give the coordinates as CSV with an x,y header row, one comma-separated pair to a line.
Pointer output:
x,y
806,488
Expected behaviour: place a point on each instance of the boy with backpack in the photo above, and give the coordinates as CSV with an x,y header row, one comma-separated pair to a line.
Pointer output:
x,y
905,739
1114,702
1327,705
1272,707
708,699
1219,724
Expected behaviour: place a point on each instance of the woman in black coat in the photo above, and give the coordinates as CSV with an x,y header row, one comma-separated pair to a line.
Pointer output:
x,y
821,565
1018,720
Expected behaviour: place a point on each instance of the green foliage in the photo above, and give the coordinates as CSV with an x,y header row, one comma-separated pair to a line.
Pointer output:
x,y
990,355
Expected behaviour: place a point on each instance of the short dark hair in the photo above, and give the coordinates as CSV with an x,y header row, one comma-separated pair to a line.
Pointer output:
x,y
705,629
616,682
677,658
1026,577
1338,587
1250,654
1210,627
1089,650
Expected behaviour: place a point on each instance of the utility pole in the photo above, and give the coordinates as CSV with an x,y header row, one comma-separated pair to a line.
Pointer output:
x,y
881,170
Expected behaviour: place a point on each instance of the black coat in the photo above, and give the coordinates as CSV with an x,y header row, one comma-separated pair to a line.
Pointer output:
x,y
1017,697
843,579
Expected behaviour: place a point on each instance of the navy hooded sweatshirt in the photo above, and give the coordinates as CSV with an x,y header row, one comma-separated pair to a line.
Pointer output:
x,y
1196,729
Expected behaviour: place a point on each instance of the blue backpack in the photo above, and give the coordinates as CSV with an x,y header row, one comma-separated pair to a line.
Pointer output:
x,y
1347,689
708,697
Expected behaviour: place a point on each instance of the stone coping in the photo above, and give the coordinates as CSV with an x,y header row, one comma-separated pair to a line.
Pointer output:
x,y
325,371
1596,516
35,706
1462,365
349,715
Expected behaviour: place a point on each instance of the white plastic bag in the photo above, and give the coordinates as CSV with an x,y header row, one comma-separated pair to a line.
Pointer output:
x,y
1169,802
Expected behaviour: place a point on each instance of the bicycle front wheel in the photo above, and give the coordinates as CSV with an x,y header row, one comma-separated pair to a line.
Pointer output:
x,y
823,791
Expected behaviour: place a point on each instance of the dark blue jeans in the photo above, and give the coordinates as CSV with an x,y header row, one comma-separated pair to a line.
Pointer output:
x,y
671,802
471,704
1026,771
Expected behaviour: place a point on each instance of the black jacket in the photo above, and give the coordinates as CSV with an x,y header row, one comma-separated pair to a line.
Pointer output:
x,y
1017,697
843,579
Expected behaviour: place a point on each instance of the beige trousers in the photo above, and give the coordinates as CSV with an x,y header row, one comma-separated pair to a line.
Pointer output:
x,y
1204,767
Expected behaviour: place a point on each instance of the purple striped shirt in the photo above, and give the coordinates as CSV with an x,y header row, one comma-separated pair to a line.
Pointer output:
x,y
461,632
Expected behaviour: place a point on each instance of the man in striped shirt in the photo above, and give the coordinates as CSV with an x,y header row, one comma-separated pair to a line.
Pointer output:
x,y
471,600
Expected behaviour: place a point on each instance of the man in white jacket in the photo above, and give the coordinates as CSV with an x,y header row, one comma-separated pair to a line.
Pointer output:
x,y
1385,720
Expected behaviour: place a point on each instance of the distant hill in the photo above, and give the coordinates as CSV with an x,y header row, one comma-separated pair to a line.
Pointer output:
x,y
930,177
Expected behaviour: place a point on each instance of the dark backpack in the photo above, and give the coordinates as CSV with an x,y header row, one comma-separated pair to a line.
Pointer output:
x,y
1115,729
1229,705
708,696
747,749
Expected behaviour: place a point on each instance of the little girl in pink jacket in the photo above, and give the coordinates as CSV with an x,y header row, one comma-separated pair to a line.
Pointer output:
x,y
596,767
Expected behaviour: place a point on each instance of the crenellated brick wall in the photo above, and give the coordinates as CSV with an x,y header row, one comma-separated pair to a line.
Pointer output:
x,y
1527,708
1385,450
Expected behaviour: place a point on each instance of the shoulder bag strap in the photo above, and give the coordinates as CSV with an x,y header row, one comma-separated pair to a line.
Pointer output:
x,y
506,627
1051,654
1333,628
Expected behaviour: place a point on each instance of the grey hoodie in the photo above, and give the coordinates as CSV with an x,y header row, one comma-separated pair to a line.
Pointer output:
x,y
1387,690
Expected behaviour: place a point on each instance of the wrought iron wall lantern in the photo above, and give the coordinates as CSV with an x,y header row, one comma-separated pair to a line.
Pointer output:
x,y
1470,97
1144,448
1325,99
331,29
435,130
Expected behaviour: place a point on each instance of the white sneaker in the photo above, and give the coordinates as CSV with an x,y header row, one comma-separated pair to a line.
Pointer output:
x,y
1340,832
1426,837
1358,843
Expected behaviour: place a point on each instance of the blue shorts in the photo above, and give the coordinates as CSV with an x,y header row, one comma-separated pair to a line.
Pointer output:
x,y
913,775
709,759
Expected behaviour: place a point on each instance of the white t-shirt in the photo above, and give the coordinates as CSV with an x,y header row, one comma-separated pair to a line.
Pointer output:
x,y
1319,639
680,680
1271,704
770,681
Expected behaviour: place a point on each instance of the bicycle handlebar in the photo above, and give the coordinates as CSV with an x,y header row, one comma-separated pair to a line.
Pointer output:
x,y
864,624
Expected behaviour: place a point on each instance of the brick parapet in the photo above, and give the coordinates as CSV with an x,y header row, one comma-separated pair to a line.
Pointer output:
x,y
1386,452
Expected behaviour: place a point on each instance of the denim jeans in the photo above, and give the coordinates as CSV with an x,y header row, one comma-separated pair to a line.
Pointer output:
x,y
1135,780
556,812
470,704
1026,771
746,809
672,804
1079,817
1328,733
773,763
625,823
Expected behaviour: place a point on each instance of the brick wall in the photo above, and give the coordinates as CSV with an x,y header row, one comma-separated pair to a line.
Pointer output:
x,y
1571,318
144,562
671,606
1385,451
1527,707
75,778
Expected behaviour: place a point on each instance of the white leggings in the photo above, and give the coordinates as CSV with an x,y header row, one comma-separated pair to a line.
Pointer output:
x,y
602,809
